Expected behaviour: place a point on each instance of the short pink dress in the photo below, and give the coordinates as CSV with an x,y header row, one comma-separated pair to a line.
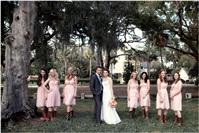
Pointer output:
x,y
176,103
143,90
133,101
69,92
164,93
41,96
53,97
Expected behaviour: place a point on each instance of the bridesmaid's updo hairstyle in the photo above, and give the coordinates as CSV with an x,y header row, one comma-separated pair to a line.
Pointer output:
x,y
146,78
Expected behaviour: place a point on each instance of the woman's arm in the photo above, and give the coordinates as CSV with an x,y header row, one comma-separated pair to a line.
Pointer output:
x,y
46,82
179,88
111,87
75,85
128,87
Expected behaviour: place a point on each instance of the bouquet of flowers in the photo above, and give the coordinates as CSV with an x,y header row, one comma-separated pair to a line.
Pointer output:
x,y
113,103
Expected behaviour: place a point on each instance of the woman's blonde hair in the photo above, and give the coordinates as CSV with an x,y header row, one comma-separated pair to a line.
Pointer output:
x,y
68,75
55,72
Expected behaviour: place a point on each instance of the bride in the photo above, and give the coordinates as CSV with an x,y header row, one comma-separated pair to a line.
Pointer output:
x,y
108,113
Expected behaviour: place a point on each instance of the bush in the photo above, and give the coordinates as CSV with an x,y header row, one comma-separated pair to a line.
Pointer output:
x,y
196,81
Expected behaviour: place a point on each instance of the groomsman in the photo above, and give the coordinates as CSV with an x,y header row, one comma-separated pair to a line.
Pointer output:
x,y
97,90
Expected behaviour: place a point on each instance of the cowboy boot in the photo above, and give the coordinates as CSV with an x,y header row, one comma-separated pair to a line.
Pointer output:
x,y
50,115
54,114
147,115
133,112
130,114
68,116
72,113
160,118
143,113
179,121
164,119
176,119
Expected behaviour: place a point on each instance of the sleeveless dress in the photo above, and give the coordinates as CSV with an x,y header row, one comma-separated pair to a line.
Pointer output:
x,y
176,103
143,90
164,93
53,97
69,92
134,95
41,96
108,114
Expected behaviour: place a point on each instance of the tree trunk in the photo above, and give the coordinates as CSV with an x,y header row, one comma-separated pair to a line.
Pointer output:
x,y
162,64
99,56
15,97
90,66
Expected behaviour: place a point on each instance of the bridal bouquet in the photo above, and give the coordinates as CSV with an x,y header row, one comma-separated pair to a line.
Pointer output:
x,y
113,103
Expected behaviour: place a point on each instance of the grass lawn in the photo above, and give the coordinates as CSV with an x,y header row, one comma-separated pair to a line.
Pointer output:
x,y
83,121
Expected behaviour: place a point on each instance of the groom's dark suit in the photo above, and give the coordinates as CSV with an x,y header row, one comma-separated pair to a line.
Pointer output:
x,y
97,90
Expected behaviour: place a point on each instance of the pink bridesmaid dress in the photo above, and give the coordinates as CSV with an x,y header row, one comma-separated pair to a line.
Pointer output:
x,y
164,93
41,96
134,95
176,103
69,92
143,90
53,97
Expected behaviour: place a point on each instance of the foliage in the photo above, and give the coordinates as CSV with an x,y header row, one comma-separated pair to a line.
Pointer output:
x,y
128,69
101,25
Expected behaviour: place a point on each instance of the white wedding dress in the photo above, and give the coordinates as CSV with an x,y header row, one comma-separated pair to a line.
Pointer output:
x,y
108,114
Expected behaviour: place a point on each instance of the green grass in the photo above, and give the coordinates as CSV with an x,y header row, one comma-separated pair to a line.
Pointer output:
x,y
83,121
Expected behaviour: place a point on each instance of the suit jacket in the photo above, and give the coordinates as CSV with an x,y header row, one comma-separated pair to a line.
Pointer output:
x,y
95,85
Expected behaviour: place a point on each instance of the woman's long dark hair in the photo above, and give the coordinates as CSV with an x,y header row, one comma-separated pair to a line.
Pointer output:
x,y
176,81
39,81
146,78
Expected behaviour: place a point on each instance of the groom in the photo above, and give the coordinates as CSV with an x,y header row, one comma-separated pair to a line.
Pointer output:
x,y
97,90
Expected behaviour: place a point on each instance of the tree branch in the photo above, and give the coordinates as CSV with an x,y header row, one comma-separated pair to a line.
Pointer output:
x,y
180,50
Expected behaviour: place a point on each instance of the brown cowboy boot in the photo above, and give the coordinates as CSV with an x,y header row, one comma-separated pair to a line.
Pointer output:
x,y
180,121
68,116
54,114
176,119
50,115
160,118
147,115
143,113
133,112
130,114
164,118
72,113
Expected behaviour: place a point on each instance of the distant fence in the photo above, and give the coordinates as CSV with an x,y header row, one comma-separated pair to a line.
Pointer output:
x,y
120,91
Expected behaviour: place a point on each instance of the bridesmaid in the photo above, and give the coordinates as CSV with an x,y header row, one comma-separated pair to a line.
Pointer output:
x,y
144,94
162,98
53,96
70,92
176,98
41,94
132,94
